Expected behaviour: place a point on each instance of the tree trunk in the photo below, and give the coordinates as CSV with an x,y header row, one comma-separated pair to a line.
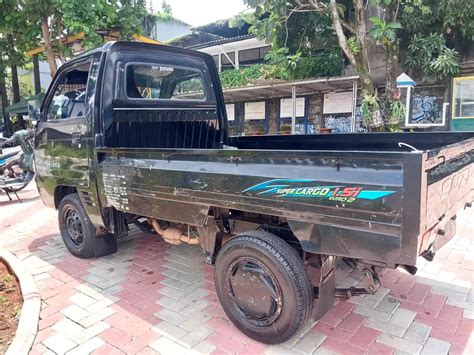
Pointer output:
x,y
391,65
361,30
391,70
15,85
341,37
48,48
36,74
16,94
4,99
360,60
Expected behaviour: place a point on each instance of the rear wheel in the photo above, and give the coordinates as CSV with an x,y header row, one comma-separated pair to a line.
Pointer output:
x,y
77,231
263,286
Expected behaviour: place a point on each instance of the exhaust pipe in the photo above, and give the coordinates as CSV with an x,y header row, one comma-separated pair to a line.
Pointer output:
x,y
172,235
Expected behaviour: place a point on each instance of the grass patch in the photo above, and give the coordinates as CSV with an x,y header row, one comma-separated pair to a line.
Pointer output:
x,y
3,300
16,310
8,278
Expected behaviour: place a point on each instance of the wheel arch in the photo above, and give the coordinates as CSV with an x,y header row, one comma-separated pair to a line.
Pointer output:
x,y
224,224
62,191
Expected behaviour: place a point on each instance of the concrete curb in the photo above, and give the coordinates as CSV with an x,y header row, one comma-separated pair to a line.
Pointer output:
x,y
30,310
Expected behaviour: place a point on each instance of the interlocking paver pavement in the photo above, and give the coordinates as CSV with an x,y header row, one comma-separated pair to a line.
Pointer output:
x,y
151,297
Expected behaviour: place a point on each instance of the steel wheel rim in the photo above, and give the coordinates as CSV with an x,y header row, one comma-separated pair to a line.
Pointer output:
x,y
73,226
254,291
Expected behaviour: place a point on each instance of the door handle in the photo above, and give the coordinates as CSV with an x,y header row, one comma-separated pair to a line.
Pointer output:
x,y
76,138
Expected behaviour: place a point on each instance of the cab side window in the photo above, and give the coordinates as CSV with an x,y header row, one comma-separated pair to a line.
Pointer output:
x,y
69,100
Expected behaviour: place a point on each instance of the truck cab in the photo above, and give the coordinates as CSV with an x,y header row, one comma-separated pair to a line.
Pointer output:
x,y
119,96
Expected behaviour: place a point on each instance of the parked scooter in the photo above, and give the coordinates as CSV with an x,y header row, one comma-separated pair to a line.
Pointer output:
x,y
16,165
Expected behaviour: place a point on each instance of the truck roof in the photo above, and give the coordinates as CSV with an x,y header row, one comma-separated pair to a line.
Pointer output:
x,y
140,46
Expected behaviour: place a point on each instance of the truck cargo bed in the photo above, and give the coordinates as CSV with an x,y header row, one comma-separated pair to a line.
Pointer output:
x,y
385,210
357,142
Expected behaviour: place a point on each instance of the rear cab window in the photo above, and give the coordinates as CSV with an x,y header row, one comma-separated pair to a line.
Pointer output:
x,y
164,82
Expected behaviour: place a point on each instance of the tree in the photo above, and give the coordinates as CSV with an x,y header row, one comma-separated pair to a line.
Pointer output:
x,y
166,8
15,36
60,18
426,36
351,32
435,34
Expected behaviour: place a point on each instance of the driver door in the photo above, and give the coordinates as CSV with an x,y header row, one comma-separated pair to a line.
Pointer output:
x,y
63,135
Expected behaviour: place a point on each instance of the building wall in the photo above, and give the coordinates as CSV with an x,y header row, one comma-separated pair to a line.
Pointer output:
x,y
164,31
310,123
26,76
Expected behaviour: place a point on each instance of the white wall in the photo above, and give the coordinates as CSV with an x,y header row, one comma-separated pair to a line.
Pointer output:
x,y
45,76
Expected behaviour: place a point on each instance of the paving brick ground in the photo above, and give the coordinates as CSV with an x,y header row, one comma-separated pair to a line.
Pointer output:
x,y
150,297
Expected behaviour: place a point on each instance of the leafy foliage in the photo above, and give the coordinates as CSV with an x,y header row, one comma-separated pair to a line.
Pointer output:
x,y
435,35
452,18
370,109
397,112
384,32
297,38
249,75
22,32
326,63
70,17
165,14
354,45
286,68
431,55
446,64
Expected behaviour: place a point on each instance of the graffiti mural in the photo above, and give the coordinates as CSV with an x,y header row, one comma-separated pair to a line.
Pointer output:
x,y
359,127
338,123
341,123
301,128
427,109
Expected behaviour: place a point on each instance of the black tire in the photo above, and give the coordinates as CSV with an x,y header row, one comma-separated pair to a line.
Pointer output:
x,y
77,231
251,267
21,187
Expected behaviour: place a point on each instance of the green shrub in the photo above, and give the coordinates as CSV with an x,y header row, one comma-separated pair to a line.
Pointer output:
x,y
324,64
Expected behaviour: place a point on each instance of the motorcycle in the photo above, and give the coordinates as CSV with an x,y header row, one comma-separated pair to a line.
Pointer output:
x,y
16,165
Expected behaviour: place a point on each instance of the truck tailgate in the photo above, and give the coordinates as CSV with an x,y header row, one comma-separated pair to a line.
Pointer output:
x,y
449,187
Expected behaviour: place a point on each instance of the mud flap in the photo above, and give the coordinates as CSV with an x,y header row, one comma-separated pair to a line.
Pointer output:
x,y
105,245
326,292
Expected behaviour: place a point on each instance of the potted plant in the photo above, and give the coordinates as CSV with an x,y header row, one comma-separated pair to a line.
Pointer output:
x,y
325,130
255,131
397,110
285,129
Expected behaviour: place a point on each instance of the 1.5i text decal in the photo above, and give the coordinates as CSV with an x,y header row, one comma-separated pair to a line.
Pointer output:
x,y
308,188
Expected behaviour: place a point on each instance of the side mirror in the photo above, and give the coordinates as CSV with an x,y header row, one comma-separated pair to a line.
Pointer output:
x,y
34,108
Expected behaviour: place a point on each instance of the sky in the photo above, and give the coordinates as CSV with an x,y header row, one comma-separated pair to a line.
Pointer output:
x,y
201,12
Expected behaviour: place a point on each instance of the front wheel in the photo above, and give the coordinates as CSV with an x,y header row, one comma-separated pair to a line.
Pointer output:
x,y
77,231
263,286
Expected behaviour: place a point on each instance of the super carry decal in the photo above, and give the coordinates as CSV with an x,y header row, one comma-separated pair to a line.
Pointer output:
x,y
307,188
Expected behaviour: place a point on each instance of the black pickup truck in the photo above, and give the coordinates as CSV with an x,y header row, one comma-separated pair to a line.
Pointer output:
x,y
136,134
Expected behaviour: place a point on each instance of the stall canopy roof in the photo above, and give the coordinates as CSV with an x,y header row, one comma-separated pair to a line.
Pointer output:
x,y
267,89
21,108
